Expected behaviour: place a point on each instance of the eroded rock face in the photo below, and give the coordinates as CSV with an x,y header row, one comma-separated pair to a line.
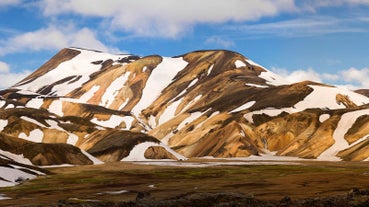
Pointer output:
x,y
44,154
157,152
114,145
203,103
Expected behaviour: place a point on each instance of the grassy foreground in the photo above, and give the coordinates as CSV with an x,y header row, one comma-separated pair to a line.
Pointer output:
x,y
122,181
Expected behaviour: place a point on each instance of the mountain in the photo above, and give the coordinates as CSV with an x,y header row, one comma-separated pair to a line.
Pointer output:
x,y
364,92
85,104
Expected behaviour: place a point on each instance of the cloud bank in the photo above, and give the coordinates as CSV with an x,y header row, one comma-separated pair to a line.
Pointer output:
x,y
351,78
53,38
9,78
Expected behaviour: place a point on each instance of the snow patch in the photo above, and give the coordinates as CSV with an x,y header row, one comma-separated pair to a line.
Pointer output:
x,y
79,66
193,82
114,121
256,85
11,175
35,103
4,183
160,78
32,170
198,97
254,63
10,106
210,69
345,123
244,106
314,99
3,197
165,140
272,78
32,121
111,92
138,152
25,92
3,123
89,94
35,135
324,117
114,192
169,112
2,103
53,125
72,139
123,104
239,64
56,107
92,158
189,119
15,157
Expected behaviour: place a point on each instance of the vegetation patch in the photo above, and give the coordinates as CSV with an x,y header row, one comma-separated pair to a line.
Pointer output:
x,y
115,182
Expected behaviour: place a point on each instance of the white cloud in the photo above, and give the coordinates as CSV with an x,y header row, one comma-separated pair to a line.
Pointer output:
x,y
9,78
5,3
351,78
167,18
4,67
53,38
355,75
298,75
219,41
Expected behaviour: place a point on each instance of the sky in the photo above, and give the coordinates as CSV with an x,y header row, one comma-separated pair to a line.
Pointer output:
x,y
320,40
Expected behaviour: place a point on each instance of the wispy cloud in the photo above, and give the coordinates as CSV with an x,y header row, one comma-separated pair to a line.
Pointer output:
x,y
219,41
5,3
167,18
313,5
302,27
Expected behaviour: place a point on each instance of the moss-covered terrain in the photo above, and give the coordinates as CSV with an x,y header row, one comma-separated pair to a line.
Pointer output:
x,y
125,182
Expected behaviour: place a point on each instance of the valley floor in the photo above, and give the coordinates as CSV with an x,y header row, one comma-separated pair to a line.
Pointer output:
x,y
128,182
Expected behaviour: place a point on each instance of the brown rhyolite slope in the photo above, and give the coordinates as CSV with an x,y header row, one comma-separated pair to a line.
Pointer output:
x,y
218,103
364,92
42,153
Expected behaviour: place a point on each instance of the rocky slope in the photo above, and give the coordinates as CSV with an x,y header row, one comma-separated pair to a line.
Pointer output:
x,y
203,103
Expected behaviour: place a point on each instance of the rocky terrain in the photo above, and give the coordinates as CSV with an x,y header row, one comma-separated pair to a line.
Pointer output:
x,y
356,197
85,107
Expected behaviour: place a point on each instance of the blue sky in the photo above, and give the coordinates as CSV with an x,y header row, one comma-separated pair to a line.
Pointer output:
x,y
320,40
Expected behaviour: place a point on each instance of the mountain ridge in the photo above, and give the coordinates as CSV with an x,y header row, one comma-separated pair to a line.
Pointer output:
x,y
203,103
